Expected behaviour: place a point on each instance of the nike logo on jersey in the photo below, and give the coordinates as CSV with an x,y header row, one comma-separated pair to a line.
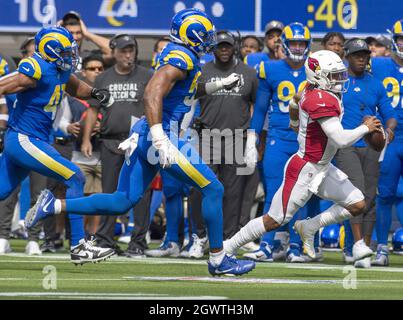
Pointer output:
x,y
26,69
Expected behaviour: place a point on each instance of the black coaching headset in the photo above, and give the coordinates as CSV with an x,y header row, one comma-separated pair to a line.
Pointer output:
x,y
113,43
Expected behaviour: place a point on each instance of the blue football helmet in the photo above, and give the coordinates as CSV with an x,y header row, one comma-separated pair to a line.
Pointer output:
x,y
330,236
56,45
397,241
194,29
397,31
296,32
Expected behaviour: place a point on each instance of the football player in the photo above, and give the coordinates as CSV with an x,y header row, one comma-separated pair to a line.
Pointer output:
x,y
168,96
390,71
40,83
279,81
309,171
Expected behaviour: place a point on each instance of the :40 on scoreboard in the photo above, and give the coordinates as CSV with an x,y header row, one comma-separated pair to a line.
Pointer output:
x,y
334,13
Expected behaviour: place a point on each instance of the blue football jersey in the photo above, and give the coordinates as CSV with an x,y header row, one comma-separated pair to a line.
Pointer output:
x,y
180,98
254,59
278,83
391,75
35,108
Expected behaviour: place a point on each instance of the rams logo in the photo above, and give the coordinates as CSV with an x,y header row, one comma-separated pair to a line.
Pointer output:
x,y
113,9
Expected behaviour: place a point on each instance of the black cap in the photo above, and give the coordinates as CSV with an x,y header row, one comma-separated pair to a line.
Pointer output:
x,y
382,40
27,41
273,25
71,15
355,45
122,41
224,36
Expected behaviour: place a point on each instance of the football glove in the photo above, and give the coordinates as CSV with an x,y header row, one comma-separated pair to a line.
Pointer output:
x,y
166,150
251,153
103,96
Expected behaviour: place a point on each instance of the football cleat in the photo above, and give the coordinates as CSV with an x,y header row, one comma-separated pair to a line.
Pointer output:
x,y
87,251
250,246
263,254
185,250
363,263
44,207
231,267
361,250
319,257
135,253
167,249
198,248
382,257
5,246
294,254
307,233
48,246
32,248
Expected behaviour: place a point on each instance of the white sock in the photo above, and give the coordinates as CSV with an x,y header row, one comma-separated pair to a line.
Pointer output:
x,y
254,229
216,258
58,206
335,214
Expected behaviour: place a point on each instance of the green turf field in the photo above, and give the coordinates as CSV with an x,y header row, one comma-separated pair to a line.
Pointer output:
x,y
22,277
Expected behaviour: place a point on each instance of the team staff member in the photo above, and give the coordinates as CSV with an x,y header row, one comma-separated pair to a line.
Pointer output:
x,y
223,113
126,82
365,97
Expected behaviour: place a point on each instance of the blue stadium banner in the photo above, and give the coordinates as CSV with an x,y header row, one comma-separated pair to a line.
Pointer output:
x,y
152,17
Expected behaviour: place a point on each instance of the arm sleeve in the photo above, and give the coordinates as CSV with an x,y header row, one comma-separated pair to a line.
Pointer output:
x,y
385,108
188,117
65,118
263,97
342,138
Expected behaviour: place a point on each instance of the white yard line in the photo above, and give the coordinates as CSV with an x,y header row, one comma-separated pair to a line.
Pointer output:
x,y
65,258
106,295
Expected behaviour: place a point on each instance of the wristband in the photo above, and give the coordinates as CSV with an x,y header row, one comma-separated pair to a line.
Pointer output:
x,y
157,133
4,117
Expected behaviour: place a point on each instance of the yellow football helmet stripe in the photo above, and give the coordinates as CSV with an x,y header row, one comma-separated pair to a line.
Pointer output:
x,y
288,32
44,158
307,33
191,19
397,28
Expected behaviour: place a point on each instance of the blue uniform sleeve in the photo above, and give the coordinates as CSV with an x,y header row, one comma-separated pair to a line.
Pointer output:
x,y
177,58
263,98
385,108
30,67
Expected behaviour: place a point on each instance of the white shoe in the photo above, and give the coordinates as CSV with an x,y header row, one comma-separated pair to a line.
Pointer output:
x,y
361,250
363,263
169,249
263,254
32,249
198,248
250,247
319,257
347,259
306,231
5,246
125,238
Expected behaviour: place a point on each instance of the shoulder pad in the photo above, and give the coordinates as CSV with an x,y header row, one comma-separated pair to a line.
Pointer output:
x,y
177,58
320,104
30,67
